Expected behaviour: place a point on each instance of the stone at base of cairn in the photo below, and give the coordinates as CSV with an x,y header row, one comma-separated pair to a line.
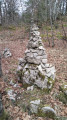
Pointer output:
x,y
34,69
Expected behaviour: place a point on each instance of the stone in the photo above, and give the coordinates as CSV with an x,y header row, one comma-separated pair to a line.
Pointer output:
x,y
52,69
36,33
33,60
21,61
34,106
48,112
35,55
19,68
63,88
44,61
11,94
46,65
7,53
41,84
30,88
41,48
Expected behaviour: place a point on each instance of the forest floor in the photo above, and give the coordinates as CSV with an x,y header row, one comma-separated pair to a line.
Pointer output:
x,y
16,40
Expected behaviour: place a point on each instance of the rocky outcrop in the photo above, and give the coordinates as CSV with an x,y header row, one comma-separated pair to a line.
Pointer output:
x,y
34,69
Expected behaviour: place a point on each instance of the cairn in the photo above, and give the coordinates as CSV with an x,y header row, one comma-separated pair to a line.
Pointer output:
x,y
34,69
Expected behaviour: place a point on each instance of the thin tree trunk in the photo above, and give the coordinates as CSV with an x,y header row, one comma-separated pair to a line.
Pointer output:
x,y
63,30
0,67
47,35
51,25
46,22
0,15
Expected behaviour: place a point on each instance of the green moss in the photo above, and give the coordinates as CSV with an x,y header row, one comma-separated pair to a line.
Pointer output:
x,y
26,85
46,114
20,74
11,27
60,118
63,88
62,97
40,44
41,75
4,116
46,90
59,35
1,28
50,82
65,25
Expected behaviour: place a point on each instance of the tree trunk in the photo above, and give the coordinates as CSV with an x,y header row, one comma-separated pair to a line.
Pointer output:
x,y
0,15
0,67
51,25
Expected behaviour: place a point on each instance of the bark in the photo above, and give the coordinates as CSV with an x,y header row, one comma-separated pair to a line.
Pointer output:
x,y
51,25
0,67
0,15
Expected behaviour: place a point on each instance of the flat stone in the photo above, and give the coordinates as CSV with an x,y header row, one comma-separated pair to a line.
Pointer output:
x,y
41,84
36,33
52,69
41,48
44,61
46,65
27,51
30,88
35,55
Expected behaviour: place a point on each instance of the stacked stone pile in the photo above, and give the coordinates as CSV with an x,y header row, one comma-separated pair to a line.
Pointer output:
x,y
34,69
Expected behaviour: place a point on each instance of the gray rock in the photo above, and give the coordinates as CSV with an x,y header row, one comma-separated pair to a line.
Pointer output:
x,y
34,106
49,112
22,61
12,95
7,53
30,88
44,61
41,84
52,69
19,68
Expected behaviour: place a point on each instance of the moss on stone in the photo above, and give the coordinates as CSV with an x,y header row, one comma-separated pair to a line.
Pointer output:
x,y
41,75
63,88
20,74
46,114
50,82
